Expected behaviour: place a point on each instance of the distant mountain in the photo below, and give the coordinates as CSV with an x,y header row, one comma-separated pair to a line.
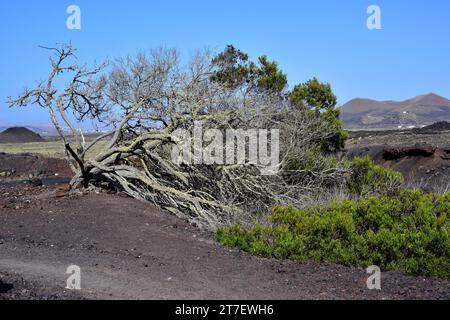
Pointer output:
x,y
19,135
416,112
48,130
41,129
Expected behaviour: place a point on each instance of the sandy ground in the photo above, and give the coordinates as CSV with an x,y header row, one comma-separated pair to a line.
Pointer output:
x,y
127,249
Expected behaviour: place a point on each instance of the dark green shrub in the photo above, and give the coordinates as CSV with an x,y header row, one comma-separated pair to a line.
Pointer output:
x,y
337,140
368,178
409,232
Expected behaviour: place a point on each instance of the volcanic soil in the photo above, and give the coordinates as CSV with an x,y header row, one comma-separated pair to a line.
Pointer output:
x,y
128,249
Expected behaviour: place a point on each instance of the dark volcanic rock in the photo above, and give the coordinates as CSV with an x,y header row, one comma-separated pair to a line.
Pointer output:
x,y
416,151
422,165
36,182
434,128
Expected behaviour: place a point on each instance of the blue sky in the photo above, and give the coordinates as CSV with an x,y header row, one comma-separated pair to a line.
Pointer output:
x,y
324,38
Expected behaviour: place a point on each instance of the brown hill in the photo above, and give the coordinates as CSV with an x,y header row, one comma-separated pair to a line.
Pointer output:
x,y
19,135
416,112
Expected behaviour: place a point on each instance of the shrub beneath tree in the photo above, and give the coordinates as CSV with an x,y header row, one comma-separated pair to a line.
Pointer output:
x,y
409,233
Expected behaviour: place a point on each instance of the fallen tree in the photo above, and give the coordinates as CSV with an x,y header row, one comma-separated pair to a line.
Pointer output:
x,y
145,101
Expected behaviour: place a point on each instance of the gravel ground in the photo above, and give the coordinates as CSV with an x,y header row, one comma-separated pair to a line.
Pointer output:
x,y
128,249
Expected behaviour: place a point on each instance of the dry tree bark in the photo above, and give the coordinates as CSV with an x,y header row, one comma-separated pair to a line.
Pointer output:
x,y
144,100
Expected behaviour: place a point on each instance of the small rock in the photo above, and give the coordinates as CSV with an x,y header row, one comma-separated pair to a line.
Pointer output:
x,y
63,191
36,182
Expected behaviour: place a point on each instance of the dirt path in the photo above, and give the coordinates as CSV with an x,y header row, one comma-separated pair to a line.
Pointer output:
x,y
127,249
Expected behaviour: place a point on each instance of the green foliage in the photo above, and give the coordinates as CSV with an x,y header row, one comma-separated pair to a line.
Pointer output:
x,y
368,178
319,97
340,135
269,77
409,233
314,94
234,69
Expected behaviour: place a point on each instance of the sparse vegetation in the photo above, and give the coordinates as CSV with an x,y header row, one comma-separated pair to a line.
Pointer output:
x,y
147,98
225,150
54,148
368,178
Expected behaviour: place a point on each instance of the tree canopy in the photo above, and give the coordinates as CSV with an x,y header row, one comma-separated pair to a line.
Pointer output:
x,y
234,69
